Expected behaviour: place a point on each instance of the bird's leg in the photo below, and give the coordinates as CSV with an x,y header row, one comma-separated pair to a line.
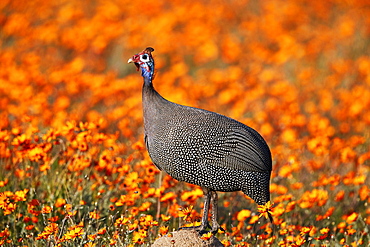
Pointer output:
x,y
214,199
204,224
207,199
215,225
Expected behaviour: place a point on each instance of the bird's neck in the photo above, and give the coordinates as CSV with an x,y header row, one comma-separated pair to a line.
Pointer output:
x,y
153,104
149,93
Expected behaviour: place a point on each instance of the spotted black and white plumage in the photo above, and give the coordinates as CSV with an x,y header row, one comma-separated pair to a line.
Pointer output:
x,y
202,147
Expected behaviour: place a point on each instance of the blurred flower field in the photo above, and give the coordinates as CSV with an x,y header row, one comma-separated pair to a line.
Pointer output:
x,y
73,167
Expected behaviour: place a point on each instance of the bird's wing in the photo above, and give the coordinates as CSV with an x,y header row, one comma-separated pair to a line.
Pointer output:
x,y
242,149
211,138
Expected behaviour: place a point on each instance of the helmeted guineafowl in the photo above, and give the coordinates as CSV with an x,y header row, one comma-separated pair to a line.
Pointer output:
x,y
202,147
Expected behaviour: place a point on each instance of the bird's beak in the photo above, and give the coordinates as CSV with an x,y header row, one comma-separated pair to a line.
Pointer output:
x,y
133,60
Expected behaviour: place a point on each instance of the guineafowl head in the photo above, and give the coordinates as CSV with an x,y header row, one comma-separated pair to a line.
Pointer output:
x,y
145,61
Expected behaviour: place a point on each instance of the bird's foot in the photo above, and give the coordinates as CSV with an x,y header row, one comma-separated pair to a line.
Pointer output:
x,y
216,227
201,229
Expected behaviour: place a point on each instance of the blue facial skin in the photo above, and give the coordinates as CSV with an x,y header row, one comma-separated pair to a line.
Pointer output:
x,y
147,74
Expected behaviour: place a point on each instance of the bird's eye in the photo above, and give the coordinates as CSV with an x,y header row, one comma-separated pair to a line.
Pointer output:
x,y
145,58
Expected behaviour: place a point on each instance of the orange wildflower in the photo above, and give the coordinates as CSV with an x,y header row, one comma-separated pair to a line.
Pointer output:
x,y
305,230
352,218
243,215
3,183
4,200
134,211
20,173
131,180
328,213
310,198
53,219
341,225
134,225
186,212
265,210
112,242
163,230
324,230
51,134
5,233
68,207
364,157
46,210
21,140
299,241
51,229
36,153
144,206
206,236
191,196
351,231
74,232
165,218
297,185
339,196
94,215
139,237
121,221
60,202
254,219
152,192
364,192
168,197
30,227
5,203
102,231
278,210
147,221
286,171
